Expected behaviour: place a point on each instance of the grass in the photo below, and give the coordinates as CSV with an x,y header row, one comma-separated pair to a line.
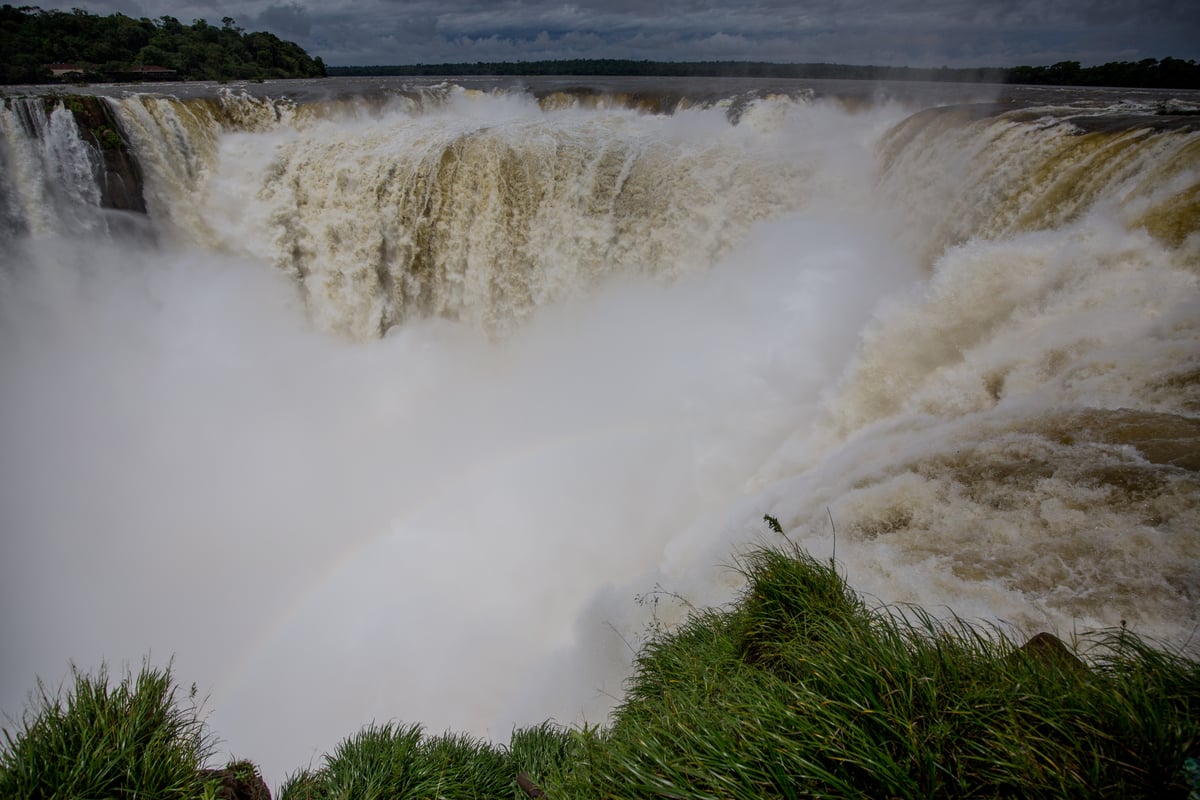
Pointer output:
x,y
99,740
398,762
801,690
797,690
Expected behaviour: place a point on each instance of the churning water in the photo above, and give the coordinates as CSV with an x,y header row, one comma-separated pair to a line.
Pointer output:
x,y
395,402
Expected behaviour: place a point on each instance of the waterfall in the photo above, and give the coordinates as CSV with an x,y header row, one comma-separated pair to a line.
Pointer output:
x,y
413,391
51,173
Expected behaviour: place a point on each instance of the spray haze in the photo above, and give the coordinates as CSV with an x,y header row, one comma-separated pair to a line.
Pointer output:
x,y
611,342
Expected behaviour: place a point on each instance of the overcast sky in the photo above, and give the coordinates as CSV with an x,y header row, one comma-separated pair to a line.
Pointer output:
x,y
888,32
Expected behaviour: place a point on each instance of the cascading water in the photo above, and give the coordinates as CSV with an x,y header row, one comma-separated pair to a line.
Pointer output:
x,y
412,394
479,209
50,172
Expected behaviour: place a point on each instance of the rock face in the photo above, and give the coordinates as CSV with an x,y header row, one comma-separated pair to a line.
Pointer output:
x,y
121,183
238,781
1049,649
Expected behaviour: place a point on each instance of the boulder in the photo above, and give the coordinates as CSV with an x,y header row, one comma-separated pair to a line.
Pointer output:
x,y
238,781
1049,649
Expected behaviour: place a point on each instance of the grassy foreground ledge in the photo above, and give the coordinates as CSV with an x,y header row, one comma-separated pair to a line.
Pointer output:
x,y
799,689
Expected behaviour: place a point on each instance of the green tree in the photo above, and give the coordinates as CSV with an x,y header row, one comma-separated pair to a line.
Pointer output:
x,y
31,38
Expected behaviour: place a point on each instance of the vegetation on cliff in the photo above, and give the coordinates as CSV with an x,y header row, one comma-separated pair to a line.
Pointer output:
x,y
117,46
1167,73
799,689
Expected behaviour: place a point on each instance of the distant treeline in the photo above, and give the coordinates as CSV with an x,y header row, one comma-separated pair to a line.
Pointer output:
x,y
1169,73
116,45
1149,73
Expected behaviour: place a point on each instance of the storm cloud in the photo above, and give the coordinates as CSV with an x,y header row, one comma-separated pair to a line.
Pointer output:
x,y
290,20
905,32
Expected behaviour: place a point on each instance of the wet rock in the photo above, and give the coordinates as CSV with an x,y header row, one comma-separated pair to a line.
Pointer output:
x,y
238,781
121,182
1050,650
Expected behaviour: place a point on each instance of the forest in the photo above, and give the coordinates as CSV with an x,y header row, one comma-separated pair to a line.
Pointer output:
x,y
116,46
1168,73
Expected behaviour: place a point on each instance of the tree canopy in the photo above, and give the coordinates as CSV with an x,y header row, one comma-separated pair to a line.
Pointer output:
x,y
114,45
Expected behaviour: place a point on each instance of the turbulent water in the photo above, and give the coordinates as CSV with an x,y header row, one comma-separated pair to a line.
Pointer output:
x,y
419,402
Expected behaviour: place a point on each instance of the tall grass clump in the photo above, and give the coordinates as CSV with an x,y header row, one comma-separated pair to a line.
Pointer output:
x,y
99,740
400,762
801,690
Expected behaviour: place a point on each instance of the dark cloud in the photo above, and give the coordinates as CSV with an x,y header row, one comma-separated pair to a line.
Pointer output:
x,y
912,32
285,19
1118,12
130,8
416,29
